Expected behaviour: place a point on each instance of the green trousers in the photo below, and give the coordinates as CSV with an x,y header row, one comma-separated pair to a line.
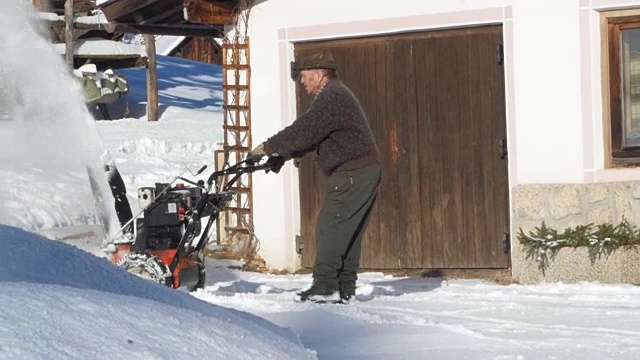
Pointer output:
x,y
341,223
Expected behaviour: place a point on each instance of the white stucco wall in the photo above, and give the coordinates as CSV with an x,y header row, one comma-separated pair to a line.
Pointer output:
x,y
552,74
548,140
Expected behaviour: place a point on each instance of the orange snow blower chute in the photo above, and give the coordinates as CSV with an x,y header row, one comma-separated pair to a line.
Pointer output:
x,y
167,243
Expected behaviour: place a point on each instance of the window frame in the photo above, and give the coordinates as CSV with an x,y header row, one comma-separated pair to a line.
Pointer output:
x,y
613,23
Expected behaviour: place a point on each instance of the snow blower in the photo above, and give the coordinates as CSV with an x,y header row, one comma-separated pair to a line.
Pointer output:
x,y
167,243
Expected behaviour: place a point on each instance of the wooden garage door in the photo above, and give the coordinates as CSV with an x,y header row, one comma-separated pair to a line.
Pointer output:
x,y
435,101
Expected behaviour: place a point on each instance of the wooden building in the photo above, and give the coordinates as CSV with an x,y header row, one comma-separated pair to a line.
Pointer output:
x,y
88,31
204,49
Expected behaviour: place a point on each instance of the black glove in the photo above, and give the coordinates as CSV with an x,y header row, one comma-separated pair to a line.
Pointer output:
x,y
275,163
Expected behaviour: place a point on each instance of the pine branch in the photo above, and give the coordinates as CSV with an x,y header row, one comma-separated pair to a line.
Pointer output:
x,y
543,244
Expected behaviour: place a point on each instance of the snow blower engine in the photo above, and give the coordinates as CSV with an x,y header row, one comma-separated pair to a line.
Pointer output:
x,y
167,243
166,214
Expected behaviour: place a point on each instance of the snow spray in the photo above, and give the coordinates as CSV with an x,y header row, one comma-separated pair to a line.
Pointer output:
x,y
43,116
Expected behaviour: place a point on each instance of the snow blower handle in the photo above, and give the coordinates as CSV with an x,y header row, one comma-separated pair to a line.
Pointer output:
x,y
274,163
248,165
203,168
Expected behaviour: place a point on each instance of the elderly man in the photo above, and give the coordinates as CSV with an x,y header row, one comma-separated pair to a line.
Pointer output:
x,y
336,127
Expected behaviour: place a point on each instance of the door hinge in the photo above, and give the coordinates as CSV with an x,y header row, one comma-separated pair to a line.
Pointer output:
x,y
294,71
299,244
506,242
503,150
500,54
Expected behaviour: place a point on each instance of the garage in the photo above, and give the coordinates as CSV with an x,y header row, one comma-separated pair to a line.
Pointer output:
x,y
436,104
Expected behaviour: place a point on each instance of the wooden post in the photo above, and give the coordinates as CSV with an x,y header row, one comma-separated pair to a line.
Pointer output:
x,y
68,32
152,78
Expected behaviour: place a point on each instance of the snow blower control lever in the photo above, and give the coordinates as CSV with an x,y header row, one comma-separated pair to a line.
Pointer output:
x,y
168,242
249,165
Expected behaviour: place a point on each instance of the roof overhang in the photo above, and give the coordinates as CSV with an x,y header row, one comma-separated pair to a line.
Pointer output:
x,y
170,17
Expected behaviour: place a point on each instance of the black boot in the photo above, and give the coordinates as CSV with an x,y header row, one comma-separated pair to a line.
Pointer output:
x,y
318,293
347,295
347,291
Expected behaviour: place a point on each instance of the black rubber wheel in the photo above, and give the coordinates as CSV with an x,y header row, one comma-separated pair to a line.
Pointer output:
x,y
148,267
202,277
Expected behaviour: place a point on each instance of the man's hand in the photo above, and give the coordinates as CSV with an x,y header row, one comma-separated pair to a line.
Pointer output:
x,y
276,163
257,153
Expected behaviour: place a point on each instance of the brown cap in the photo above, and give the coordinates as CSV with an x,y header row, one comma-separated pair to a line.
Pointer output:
x,y
316,59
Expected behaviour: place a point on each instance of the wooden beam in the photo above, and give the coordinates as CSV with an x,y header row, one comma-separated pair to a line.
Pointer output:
x,y
79,6
152,78
59,24
68,32
115,9
203,12
175,30
161,16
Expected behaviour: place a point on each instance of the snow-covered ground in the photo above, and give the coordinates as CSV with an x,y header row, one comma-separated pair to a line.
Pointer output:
x,y
61,299
419,318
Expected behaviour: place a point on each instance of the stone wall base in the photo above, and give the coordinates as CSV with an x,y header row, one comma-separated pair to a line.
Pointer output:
x,y
562,206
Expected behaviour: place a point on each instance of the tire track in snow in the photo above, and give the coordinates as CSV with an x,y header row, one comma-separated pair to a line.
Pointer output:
x,y
469,325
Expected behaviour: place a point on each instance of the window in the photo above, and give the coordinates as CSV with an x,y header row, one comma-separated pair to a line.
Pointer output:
x,y
622,37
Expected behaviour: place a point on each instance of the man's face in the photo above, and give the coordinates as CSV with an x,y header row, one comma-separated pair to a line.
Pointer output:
x,y
312,80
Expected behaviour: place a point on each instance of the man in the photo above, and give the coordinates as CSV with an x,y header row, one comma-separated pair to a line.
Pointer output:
x,y
335,127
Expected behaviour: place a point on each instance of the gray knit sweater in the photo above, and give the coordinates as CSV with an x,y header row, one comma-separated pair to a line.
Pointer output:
x,y
335,126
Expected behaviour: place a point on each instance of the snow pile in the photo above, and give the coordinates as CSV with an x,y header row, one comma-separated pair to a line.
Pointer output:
x,y
59,302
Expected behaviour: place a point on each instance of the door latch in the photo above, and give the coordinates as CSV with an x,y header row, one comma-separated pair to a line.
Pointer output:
x,y
500,54
299,244
506,242
502,148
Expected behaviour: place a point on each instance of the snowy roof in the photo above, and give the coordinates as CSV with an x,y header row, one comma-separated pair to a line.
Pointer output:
x,y
97,19
165,44
103,48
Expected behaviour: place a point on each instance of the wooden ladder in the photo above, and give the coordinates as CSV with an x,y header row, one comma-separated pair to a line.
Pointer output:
x,y
236,76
